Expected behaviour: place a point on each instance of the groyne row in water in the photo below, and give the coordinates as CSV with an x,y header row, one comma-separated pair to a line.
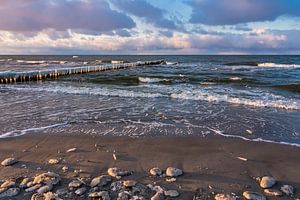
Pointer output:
x,y
14,77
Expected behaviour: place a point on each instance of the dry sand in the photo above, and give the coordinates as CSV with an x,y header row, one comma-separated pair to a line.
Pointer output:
x,y
209,164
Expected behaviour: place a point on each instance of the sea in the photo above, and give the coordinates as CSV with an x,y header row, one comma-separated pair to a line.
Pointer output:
x,y
253,98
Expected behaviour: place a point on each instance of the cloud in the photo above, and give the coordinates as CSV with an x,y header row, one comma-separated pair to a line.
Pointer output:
x,y
230,12
145,10
61,15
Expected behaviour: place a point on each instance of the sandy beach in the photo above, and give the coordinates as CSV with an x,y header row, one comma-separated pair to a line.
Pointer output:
x,y
210,165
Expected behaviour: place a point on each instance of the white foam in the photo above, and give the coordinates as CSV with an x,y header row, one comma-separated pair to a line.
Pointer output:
x,y
150,80
25,131
31,61
272,101
218,132
277,65
235,78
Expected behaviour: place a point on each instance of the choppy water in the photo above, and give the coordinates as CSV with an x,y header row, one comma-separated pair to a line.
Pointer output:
x,y
252,97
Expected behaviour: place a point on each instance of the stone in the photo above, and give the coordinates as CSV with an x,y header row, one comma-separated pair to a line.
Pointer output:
x,y
11,192
288,190
170,180
253,196
155,171
45,189
273,192
75,184
116,186
225,197
24,183
9,161
53,161
267,182
103,195
62,192
116,173
71,150
49,177
37,196
123,196
80,191
33,188
173,172
171,193
65,168
129,183
51,196
100,181
158,196
8,184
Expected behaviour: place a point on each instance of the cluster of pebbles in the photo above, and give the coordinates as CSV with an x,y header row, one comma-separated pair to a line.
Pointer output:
x,y
116,185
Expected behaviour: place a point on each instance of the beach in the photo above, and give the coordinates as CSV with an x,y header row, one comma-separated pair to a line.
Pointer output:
x,y
211,165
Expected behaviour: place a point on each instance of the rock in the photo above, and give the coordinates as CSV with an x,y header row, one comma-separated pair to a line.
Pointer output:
x,y
253,196
33,188
45,189
170,180
100,181
155,171
288,190
51,196
129,183
75,184
156,188
173,172
8,184
117,173
116,186
62,192
273,192
65,168
47,178
103,195
9,161
171,193
24,183
37,196
123,196
225,197
267,182
71,150
158,196
80,191
53,161
11,192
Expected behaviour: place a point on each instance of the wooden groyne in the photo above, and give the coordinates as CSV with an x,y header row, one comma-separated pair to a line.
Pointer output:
x,y
14,77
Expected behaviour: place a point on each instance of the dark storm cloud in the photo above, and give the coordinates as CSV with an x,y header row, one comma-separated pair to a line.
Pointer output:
x,y
230,12
37,15
148,12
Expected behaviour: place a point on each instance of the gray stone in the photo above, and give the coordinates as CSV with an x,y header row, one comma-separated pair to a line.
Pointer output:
x,y
11,192
155,171
171,193
75,184
117,173
103,195
253,196
273,192
45,189
129,183
267,182
288,190
33,188
80,191
158,196
100,181
9,161
173,172
24,183
116,186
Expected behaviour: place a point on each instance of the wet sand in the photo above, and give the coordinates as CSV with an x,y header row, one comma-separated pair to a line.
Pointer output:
x,y
209,164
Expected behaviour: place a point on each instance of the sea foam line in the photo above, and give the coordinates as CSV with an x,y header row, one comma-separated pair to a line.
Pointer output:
x,y
218,132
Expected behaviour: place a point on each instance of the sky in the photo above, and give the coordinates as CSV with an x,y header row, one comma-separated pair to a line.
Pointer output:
x,y
150,27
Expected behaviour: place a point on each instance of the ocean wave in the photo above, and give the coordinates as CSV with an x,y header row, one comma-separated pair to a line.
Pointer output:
x,y
151,80
291,87
271,102
277,65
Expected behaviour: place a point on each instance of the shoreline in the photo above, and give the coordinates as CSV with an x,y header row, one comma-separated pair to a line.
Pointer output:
x,y
209,164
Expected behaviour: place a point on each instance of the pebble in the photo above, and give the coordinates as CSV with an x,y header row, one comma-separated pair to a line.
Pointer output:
x,y
100,181
288,190
117,173
155,171
129,183
11,192
8,184
71,150
173,172
116,186
53,161
80,191
24,183
75,184
225,197
65,168
9,161
158,196
170,180
51,196
103,195
267,182
45,189
253,196
37,196
171,193
33,188
273,192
